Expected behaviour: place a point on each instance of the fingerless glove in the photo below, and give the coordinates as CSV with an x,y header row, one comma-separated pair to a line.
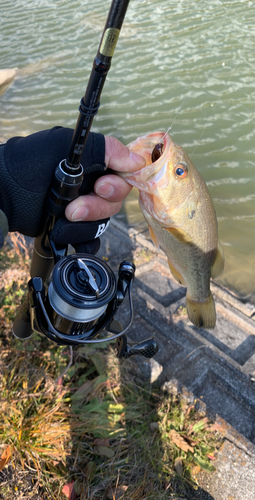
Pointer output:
x,y
27,166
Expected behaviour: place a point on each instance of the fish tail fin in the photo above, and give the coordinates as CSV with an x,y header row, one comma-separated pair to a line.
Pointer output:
x,y
202,314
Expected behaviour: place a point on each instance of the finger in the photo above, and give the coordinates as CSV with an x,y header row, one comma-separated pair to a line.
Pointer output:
x,y
112,187
119,158
91,207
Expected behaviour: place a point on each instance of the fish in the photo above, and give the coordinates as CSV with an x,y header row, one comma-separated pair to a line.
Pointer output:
x,y
179,211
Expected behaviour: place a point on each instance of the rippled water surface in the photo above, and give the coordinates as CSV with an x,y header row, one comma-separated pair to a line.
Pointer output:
x,y
188,64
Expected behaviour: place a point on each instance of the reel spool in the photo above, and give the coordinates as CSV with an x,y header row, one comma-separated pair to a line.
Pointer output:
x,y
81,289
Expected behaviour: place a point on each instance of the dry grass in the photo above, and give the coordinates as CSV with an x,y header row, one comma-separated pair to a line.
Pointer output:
x,y
96,433
33,419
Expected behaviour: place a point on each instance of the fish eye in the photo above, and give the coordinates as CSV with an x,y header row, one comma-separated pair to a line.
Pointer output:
x,y
181,170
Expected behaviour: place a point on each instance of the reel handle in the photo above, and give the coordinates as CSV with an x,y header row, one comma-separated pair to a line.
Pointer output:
x,y
148,348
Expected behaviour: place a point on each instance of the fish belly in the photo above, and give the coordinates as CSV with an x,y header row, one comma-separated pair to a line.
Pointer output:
x,y
187,259
191,268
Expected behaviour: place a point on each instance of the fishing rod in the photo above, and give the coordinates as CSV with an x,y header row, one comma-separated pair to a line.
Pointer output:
x,y
69,173
83,295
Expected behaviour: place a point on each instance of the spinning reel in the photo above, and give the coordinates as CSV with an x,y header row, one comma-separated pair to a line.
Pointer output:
x,y
80,303
82,299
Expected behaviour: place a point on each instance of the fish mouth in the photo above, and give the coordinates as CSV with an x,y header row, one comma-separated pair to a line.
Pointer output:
x,y
153,171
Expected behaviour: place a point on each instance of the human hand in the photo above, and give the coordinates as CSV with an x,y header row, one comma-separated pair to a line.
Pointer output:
x,y
27,166
109,190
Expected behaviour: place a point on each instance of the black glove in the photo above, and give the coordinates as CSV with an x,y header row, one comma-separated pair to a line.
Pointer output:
x,y
27,166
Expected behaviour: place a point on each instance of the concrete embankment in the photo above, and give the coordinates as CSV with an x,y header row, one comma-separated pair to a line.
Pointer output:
x,y
7,75
216,368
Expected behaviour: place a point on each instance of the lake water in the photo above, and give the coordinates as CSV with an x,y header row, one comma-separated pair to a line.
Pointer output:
x,y
184,64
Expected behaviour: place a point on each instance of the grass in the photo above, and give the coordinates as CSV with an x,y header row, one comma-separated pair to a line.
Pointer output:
x,y
95,433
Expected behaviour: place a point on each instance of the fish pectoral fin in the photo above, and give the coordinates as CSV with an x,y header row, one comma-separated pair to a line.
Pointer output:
x,y
179,234
201,314
218,265
176,275
153,237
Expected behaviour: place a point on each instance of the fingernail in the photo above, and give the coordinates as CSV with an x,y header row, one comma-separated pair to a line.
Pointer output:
x,y
105,189
136,158
80,213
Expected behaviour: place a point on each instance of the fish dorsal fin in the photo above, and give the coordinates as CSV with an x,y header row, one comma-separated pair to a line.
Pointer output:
x,y
153,237
179,234
218,265
176,275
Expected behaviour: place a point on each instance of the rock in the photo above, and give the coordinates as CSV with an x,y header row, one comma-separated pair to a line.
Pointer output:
x,y
150,369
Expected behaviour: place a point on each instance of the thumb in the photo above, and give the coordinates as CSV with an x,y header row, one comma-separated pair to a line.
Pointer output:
x,y
118,157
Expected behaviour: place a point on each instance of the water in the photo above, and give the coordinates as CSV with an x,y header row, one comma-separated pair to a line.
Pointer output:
x,y
188,64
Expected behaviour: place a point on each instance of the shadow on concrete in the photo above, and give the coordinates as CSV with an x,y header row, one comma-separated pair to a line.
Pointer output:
x,y
177,487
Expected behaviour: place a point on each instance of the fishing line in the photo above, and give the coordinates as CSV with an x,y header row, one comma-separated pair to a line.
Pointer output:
x,y
169,128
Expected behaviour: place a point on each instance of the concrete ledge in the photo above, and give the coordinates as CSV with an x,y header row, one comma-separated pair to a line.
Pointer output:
x,y
7,75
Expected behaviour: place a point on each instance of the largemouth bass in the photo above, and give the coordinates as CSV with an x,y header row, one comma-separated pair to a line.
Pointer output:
x,y
178,209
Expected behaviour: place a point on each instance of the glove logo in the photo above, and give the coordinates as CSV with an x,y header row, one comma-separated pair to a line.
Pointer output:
x,y
102,228
78,149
